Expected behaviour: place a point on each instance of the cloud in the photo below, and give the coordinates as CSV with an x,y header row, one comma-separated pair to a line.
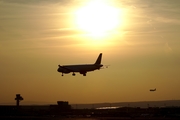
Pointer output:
x,y
34,3
167,48
167,20
37,1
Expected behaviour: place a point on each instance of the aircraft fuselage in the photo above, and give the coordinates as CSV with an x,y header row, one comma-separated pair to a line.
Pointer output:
x,y
82,68
79,68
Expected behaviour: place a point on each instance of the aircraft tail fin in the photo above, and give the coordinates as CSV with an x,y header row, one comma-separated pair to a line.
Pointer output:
x,y
98,61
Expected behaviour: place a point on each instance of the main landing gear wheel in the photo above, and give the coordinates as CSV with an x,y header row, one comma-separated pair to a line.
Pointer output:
x,y
73,74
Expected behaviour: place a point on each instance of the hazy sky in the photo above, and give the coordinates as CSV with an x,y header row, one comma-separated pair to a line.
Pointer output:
x,y
142,49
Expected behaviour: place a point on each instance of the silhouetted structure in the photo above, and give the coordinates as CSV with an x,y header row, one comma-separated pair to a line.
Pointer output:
x,y
18,99
62,108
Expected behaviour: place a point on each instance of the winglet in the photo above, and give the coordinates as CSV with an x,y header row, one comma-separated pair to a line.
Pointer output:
x,y
98,61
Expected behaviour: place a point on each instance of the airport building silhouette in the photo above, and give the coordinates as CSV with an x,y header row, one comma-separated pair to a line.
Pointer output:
x,y
62,108
18,99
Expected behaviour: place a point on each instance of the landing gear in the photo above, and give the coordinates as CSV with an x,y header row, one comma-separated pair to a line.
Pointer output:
x,y
73,74
84,74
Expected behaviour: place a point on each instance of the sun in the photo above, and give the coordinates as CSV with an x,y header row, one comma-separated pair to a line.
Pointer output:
x,y
98,17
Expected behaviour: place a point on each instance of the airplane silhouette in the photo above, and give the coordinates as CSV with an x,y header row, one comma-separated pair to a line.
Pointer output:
x,y
82,69
152,90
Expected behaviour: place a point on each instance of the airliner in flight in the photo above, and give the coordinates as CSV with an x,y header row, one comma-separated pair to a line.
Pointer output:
x,y
82,69
152,90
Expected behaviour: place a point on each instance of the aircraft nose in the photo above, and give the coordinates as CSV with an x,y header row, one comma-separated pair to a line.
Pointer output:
x,y
58,70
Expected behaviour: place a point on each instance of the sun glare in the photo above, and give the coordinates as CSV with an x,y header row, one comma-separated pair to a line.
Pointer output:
x,y
97,18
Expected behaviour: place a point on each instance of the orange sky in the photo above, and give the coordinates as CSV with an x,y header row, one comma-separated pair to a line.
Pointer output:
x,y
142,50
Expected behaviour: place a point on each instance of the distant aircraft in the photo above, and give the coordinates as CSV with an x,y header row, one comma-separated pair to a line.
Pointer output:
x,y
152,90
82,69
